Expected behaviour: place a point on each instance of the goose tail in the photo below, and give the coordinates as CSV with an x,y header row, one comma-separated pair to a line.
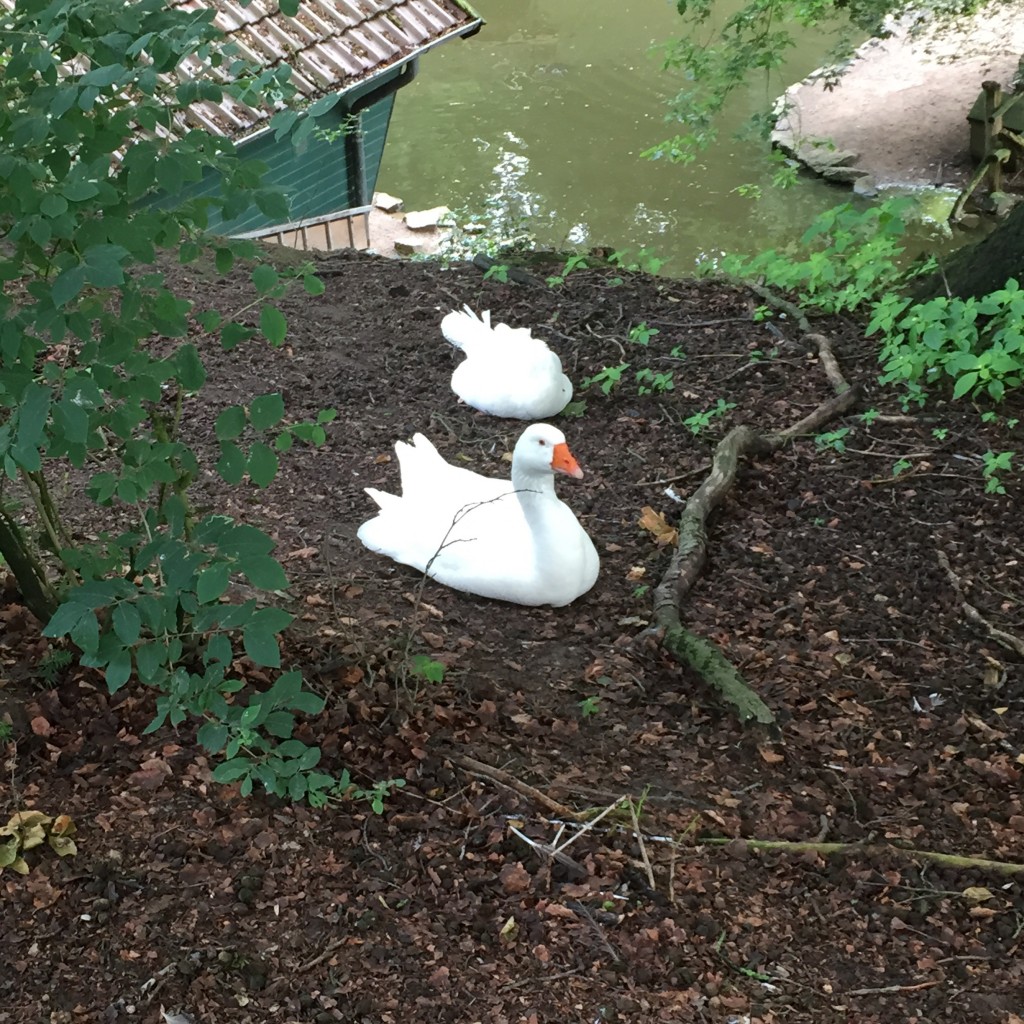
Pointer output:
x,y
465,329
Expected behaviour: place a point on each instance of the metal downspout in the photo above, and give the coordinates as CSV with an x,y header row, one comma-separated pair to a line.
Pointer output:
x,y
354,151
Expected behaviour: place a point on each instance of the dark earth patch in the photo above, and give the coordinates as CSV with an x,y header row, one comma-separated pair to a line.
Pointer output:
x,y
823,585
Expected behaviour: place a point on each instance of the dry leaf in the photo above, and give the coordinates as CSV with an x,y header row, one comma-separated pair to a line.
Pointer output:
x,y
978,893
770,756
655,523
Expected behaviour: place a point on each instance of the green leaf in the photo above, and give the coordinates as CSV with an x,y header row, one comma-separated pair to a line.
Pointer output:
x,y
224,260
212,582
308,703
264,277
103,76
266,411
212,736
149,659
86,632
312,284
30,435
127,622
191,372
272,620
265,573
261,646
65,618
310,759
231,464
273,324
230,423
234,333
965,384
231,771
262,464
119,670
280,724
68,284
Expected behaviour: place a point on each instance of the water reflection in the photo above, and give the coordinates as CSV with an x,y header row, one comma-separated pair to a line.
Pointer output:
x,y
544,114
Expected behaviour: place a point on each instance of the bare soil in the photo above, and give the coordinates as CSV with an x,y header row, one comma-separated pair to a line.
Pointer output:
x,y
901,720
901,106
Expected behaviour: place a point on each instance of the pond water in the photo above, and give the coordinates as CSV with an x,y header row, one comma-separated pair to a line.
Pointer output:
x,y
545,113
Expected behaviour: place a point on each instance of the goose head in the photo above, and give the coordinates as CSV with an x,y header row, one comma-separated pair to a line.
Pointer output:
x,y
542,449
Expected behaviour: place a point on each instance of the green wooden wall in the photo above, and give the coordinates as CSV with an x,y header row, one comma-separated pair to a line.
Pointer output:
x,y
317,177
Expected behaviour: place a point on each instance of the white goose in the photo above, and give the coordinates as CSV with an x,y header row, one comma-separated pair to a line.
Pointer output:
x,y
507,371
511,540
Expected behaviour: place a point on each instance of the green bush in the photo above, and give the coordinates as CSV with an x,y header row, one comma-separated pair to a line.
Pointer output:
x,y
93,147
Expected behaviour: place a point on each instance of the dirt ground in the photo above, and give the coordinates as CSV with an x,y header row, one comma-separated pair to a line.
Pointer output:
x,y
900,719
901,106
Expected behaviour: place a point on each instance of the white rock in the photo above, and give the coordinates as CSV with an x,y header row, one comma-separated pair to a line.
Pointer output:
x,y
419,220
387,203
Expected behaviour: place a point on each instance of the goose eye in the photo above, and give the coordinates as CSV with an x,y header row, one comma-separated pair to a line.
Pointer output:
x,y
541,441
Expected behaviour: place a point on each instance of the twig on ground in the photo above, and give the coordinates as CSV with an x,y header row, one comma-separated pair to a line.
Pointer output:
x,y
891,989
548,850
640,843
503,777
1007,640
309,965
950,860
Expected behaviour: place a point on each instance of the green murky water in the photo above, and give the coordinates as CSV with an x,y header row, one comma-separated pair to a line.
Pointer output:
x,y
548,108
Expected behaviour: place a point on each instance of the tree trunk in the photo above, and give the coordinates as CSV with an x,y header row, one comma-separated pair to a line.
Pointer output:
x,y
985,266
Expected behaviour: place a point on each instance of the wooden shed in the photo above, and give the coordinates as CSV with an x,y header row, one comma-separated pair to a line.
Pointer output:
x,y
362,51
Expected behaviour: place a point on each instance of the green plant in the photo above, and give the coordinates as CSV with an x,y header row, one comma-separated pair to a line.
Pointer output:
x,y
977,343
498,272
833,439
26,830
995,464
606,378
850,258
575,261
762,313
869,416
576,409
6,730
100,361
649,380
424,667
940,433
52,663
900,467
645,261
590,706
641,334
699,420
350,126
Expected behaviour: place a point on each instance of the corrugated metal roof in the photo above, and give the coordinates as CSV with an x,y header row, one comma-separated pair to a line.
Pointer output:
x,y
330,45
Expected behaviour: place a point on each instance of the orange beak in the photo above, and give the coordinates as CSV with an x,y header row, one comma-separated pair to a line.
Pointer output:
x,y
563,461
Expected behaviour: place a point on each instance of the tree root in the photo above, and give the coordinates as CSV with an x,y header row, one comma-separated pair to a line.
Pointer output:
x,y
948,860
690,555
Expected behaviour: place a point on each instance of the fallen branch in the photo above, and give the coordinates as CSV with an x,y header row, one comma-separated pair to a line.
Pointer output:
x,y
1008,640
690,555
887,990
949,860
498,775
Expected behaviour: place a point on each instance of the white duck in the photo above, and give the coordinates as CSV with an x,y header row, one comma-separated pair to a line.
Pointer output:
x,y
507,371
511,540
